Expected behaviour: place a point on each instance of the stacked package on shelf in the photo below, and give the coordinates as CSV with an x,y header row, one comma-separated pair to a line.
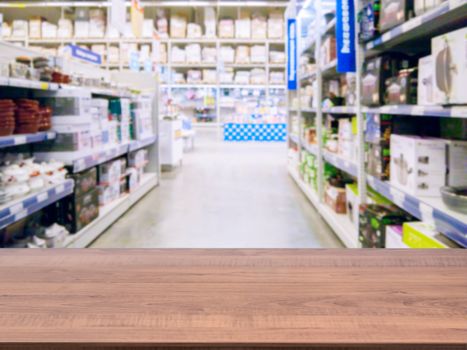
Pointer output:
x,y
178,25
423,235
97,23
346,139
226,76
276,57
100,50
242,77
71,121
276,77
137,161
209,76
226,28
100,133
276,25
119,111
82,23
242,54
259,26
148,28
194,76
79,209
194,31
20,29
193,53
209,54
35,27
162,53
111,180
378,137
209,22
141,116
178,55
65,28
227,54
243,26
113,55
162,23
258,76
328,51
309,169
258,54
127,49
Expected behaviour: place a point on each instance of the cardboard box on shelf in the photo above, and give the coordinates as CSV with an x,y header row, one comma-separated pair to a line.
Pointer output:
x,y
258,54
418,165
209,54
85,181
379,160
20,28
108,192
65,28
242,54
227,54
422,235
243,26
193,53
276,57
449,53
209,76
194,31
373,220
334,197
457,163
425,81
76,212
209,22
276,25
178,24
226,28
35,27
259,26
148,28
393,13
178,55
394,237
81,29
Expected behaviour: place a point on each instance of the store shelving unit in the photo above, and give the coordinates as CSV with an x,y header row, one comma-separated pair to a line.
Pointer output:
x,y
139,83
419,30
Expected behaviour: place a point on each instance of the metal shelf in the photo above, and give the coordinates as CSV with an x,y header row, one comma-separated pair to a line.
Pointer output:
x,y
111,213
28,84
415,110
136,145
330,26
313,149
21,139
329,70
340,223
193,65
18,209
308,110
427,209
308,76
340,163
340,110
427,25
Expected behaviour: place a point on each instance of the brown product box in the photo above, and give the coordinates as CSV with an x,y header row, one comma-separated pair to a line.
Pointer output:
x,y
76,212
335,198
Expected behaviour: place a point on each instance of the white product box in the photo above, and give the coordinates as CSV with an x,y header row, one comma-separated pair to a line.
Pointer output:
x,y
148,28
193,53
226,28
209,54
425,81
81,29
276,26
276,57
227,54
194,31
277,78
35,28
20,28
259,27
242,54
178,26
65,28
394,237
258,76
457,163
113,54
258,54
418,165
209,22
109,192
242,77
243,27
209,76
178,55
194,76
226,77
449,53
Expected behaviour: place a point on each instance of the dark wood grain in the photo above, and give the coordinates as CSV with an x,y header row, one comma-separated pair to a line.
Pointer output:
x,y
233,299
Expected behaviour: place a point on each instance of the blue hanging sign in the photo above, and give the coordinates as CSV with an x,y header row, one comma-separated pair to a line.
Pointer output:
x,y
345,36
291,54
84,54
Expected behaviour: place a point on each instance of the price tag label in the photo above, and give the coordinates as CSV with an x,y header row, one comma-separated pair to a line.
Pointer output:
x,y
42,197
20,140
79,164
427,213
418,110
386,36
16,208
59,189
415,22
21,215
44,86
460,112
398,197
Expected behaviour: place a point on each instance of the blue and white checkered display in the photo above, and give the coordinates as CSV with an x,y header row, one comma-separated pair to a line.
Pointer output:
x,y
255,132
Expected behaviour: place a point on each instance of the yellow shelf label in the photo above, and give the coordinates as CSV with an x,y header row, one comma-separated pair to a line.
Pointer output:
x,y
44,86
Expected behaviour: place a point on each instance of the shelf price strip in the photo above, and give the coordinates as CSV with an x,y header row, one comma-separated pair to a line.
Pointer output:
x,y
34,202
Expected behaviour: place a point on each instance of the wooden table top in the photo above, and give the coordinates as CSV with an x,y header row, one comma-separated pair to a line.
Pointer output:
x,y
317,299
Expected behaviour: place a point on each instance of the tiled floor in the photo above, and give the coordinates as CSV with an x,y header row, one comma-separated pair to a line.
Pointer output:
x,y
226,195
